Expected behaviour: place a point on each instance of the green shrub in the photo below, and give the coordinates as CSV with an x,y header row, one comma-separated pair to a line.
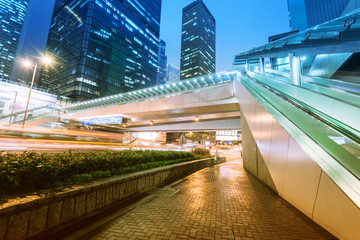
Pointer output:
x,y
30,171
201,152
80,178
100,174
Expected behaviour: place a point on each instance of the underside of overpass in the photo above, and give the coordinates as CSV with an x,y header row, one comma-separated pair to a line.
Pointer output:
x,y
212,108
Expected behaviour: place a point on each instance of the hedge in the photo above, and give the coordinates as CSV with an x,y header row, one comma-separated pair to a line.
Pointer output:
x,y
31,171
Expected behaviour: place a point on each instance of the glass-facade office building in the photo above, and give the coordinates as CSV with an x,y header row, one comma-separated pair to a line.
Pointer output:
x,y
162,61
304,14
197,41
12,16
172,73
103,47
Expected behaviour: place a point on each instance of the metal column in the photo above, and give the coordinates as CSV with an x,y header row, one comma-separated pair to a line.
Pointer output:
x,y
295,69
262,65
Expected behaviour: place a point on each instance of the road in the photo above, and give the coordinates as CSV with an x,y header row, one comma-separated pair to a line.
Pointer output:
x,y
18,139
48,145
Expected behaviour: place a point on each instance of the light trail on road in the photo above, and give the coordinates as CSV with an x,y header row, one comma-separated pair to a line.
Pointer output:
x,y
20,145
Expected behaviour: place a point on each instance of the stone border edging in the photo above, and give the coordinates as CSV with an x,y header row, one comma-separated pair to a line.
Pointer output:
x,y
38,216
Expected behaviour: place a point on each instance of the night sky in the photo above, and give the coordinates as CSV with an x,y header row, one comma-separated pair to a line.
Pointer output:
x,y
240,25
39,23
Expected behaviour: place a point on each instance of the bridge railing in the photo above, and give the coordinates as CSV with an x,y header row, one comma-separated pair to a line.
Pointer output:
x,y
331,124
32,114
345,91
171,89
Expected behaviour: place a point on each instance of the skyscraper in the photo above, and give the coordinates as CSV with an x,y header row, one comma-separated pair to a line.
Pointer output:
x,y
304,14
103,47
162,61
12,16
197,41
172,73
33,38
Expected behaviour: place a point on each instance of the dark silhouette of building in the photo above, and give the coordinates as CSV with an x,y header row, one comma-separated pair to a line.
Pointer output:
x,y
197,41
276,37
103,47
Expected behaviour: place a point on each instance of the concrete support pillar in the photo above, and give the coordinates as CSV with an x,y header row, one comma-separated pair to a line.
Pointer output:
x,y
295,69
247,66
262,65
272,63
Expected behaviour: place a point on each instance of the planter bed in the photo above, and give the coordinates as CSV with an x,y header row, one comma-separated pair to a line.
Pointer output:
x,y
48,213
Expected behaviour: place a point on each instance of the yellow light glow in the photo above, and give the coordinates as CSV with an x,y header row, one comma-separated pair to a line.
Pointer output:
x,y
47,60
197,119
151,123
27,63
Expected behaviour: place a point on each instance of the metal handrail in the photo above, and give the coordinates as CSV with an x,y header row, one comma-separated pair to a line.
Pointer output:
x,y
30,110
344,156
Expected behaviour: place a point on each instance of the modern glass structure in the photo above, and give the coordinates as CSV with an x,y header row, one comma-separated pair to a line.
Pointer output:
x,y
172,73
308,13
197,41
103,47
33,39
12,16
162,61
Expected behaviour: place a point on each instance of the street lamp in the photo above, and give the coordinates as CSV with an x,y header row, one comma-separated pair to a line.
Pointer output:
x,y
46,60
12,108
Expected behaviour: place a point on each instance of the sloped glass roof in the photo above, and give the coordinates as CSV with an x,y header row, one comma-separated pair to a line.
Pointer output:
x,y
342,29
171,89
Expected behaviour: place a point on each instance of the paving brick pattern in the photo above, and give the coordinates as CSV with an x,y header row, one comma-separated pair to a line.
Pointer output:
x,y
220,202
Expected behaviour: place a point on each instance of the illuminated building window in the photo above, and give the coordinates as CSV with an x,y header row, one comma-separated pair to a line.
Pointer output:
x,y
198,41
112,44
12,16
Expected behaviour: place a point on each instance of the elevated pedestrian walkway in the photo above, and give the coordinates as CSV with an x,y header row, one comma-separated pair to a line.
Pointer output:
x,y
304,144
300,122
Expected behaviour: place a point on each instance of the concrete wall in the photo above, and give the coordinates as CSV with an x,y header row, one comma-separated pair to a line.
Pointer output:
x,y
253,159
52,214
277,159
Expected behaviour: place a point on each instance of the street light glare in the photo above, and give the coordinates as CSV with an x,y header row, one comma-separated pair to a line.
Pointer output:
x,y
47,60
27,63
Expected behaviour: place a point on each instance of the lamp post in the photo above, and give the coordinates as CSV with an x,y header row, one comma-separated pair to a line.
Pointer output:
x,y
47,61
12,108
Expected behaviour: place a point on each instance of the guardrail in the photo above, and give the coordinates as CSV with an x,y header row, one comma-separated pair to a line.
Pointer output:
x,y
337,138
341,90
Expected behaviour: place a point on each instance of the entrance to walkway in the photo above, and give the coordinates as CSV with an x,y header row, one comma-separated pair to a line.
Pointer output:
x,y
220,202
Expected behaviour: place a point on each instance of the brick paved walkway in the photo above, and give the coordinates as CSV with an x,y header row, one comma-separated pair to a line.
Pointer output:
x,y
221,202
